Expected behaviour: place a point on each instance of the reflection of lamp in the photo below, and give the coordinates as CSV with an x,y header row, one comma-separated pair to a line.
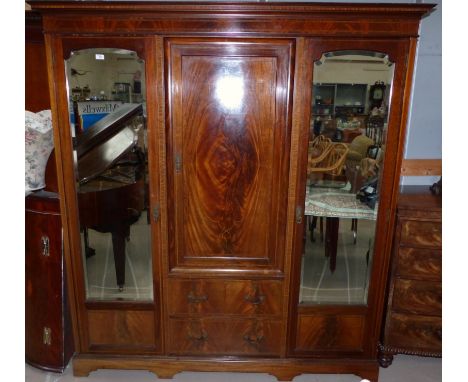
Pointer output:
x,y
230,91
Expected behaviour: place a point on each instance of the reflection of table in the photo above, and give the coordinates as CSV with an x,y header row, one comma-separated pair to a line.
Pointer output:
x,y
333,204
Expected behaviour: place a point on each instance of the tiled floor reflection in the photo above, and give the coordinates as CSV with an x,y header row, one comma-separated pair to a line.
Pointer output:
x,y
100,276
403,369
348,283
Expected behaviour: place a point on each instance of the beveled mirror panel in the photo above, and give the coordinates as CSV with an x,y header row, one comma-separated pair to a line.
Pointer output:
x,y
107,113
350,108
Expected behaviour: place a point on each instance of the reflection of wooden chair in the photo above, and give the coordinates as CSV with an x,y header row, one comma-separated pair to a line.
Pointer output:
x,y
331,163
318,149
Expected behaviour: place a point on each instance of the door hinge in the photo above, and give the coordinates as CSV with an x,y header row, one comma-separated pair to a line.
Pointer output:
x,y
178,163
298,215
156,213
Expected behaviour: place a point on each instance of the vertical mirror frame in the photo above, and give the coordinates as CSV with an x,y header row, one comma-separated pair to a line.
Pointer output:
x,y
59,50
398,52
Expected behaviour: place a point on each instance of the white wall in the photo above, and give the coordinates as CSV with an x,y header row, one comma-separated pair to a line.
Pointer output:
x,y
424,134
424,139
102,74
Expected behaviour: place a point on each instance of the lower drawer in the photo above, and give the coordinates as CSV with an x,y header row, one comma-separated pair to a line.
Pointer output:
x,y
417,297
320,332
224,336
415,333
132,330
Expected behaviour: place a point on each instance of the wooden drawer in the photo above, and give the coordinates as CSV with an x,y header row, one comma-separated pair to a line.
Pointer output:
x,y
318,333
121,329
421,233
419,263
224,336
418,333
417,297
225,297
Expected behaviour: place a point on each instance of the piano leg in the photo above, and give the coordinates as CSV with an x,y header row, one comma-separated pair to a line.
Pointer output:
x,y
88,250
119,236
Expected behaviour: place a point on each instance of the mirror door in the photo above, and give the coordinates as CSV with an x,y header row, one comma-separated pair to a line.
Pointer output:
x,y
347,142
106,94
349,151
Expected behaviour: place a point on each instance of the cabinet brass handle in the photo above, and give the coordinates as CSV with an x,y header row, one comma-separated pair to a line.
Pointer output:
x,y
200,337
256,299
45,246
194,299
47,336
253,340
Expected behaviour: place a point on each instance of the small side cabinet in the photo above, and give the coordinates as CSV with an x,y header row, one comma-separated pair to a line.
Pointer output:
x,y
49,343
413,322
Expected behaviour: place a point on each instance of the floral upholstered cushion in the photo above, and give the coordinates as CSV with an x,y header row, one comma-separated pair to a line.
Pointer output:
x,y
38,146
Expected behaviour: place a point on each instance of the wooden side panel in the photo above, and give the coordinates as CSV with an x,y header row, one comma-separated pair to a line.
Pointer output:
x,y
229,153
215,336
121,329
225,297
36,81
419,263
44,291
421,233
417,297
318,333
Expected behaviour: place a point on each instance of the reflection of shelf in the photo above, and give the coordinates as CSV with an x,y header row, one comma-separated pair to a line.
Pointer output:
x,y
349,109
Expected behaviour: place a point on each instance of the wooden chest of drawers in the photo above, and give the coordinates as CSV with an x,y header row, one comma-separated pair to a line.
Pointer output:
x,y
413,323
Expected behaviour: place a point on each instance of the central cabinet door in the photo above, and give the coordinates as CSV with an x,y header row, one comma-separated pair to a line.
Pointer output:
x,y
228,153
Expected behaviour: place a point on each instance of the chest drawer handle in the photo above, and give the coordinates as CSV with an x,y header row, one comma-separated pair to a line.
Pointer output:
x,y
194,299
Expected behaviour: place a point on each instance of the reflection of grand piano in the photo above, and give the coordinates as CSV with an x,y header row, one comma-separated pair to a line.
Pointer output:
x,y
111,168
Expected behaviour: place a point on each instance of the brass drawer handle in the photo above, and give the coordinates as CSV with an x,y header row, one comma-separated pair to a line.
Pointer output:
x,y
200,337
253,340
194,299
256,299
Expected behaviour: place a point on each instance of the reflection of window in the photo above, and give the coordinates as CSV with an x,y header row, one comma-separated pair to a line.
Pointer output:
x,y
230,92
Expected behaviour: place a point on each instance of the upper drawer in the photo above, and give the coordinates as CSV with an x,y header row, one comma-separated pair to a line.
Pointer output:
x,y
225,297
419,263
421,233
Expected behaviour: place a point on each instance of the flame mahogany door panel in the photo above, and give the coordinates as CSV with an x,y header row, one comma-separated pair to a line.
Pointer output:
x,y
228,153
